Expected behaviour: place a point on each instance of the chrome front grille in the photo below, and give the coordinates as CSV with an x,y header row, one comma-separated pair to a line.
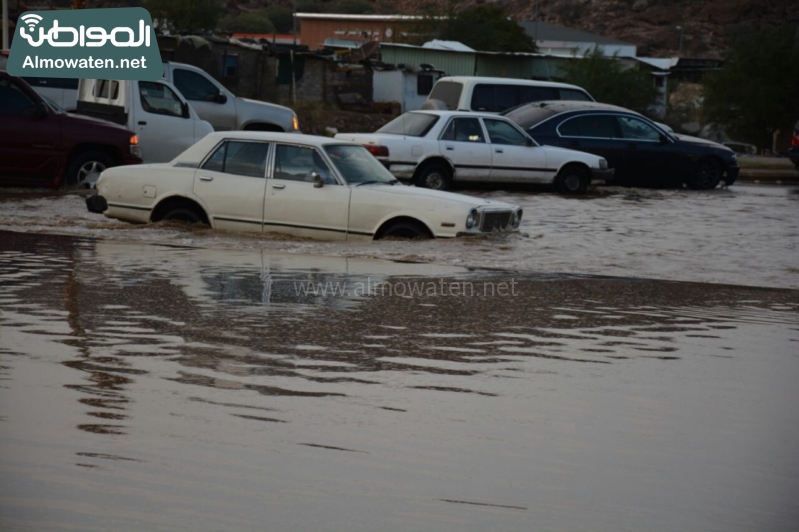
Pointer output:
x,y
495,220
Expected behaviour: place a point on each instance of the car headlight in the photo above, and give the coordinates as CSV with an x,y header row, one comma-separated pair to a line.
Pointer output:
x,y
517,219
603,164
473,219
295,123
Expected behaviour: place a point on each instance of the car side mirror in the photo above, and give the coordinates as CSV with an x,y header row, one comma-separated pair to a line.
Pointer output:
x,y
318,180
185,108
221,98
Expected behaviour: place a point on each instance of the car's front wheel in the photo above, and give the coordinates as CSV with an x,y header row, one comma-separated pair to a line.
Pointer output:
x,y
706,176
436,176
572,180
86,165
405,229
184,214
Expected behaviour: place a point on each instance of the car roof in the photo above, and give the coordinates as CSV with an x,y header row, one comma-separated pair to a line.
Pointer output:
x,y
447,114
297,138
196,153
509,81
530,114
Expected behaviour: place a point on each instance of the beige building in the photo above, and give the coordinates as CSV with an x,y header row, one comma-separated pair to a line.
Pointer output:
x,y
317,29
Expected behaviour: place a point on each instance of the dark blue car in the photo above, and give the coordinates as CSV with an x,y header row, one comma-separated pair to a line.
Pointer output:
x,y
642,152
793,153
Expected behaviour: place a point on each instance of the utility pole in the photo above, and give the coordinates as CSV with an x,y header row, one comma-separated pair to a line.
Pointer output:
x,y
293,48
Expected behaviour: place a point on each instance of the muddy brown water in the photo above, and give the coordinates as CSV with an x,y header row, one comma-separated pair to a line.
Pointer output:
x,y
153,387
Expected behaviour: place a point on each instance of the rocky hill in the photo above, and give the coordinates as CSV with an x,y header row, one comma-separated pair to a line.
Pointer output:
x,y
706,25
650,24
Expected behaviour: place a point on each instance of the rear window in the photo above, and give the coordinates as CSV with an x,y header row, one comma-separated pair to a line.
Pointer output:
x,y
575,95
536,94
410,124
448,92
589,126
494,98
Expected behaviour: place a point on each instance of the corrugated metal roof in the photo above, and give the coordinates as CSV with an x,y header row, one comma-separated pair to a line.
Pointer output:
x,y
453,46
664,63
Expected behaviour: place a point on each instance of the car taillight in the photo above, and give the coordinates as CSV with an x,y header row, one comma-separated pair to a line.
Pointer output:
x,y
795,140
377,151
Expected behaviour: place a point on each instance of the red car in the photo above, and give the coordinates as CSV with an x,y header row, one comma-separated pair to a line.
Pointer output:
x,y
42,145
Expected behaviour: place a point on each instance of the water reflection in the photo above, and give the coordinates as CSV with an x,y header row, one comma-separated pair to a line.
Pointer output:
x,y
152,337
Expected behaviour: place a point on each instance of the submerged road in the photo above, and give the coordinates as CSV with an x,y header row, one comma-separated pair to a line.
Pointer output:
x,y
153,387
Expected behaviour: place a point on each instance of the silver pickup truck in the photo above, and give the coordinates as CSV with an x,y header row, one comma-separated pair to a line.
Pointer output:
x,y
214,103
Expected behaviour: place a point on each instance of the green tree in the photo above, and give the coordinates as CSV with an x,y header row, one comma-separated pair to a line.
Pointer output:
x,y
185,14
355,7
610,81
485,28
253,22
281,17
755,92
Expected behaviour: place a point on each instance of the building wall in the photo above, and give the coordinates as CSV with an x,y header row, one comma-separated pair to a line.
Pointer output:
x,y
504,66
400,86
319,80
453,63
313,32
582,48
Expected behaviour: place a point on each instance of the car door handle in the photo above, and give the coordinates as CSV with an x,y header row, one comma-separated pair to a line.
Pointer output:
x,y
142,123
499,151
450,148
278,186
206,178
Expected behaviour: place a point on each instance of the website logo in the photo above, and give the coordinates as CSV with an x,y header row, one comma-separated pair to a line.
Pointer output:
x,y
86,43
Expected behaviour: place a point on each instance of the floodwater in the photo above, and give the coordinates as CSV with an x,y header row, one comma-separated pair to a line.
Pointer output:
x,y
745,235
156,387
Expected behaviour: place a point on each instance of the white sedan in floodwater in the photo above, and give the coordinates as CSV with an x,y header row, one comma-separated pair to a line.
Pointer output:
x,y
435,148
306,186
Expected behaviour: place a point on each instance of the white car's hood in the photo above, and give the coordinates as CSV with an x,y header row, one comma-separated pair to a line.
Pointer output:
x,y
555,153
459,199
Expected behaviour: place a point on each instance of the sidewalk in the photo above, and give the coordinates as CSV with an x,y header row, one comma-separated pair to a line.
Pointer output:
x,y
767,169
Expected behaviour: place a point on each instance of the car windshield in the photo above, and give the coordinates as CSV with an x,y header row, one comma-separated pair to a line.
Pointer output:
x,y
410,124
54,106
356,165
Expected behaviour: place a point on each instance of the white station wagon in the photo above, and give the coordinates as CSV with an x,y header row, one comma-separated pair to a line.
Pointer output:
x,y
434,148
307,186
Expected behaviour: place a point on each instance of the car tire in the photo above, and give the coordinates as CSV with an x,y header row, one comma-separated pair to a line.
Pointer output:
x,y
706,176
435,176
572,181
82,164
405,229
185,215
